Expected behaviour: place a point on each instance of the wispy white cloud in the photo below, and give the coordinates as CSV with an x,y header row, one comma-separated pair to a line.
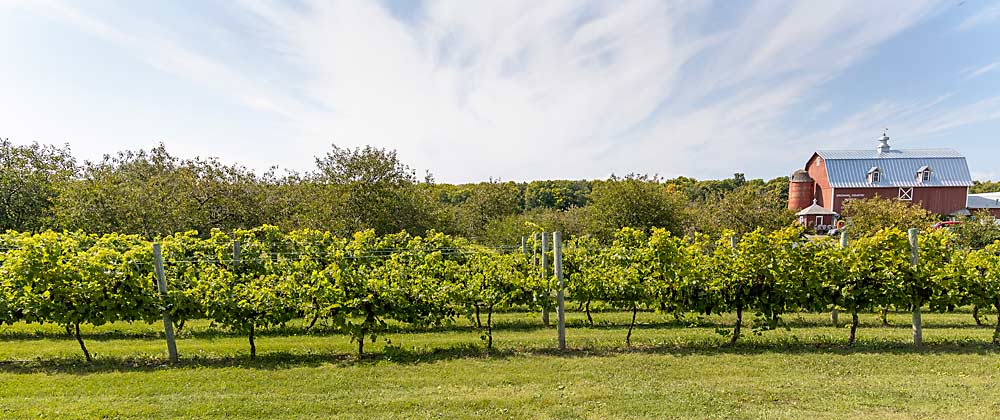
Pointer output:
x,y
487,87
154,45
908,122
983,110
774,59
525,89
986,15
973,72
553,91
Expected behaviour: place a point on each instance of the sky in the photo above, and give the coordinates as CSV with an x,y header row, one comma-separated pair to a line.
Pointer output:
x,y
508,90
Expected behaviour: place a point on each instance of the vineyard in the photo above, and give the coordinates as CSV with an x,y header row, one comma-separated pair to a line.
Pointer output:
x,y
248,281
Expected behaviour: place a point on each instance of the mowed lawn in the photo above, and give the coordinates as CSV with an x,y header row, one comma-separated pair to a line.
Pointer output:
x,y
676,369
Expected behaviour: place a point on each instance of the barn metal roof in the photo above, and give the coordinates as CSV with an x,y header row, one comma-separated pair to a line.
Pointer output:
x,y
891,154
984,201
898,168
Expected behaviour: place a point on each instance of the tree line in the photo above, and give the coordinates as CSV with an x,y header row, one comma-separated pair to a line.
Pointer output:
x,y
154,193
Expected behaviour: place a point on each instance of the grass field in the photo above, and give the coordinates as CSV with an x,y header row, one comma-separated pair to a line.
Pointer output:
x,y
675,370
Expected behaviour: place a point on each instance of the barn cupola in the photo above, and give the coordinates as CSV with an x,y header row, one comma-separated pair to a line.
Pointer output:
x,y
883,143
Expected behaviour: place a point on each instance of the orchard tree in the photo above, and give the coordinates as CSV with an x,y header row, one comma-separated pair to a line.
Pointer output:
x,y
870,215
369,188
696,190
219,196
979,187
30,180
489,202
558,195
114,195
510,229
742,211
635,201
978,231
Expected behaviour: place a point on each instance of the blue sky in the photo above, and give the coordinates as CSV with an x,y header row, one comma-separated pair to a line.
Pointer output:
x,y
512,90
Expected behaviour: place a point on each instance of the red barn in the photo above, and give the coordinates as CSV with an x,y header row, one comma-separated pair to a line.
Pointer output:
x,y
936,179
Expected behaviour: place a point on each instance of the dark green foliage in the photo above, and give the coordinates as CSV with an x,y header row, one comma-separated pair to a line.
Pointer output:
x,y
30,179
743,210
153,193
979,187
559,195
487,203
633,201
978,231
367,188
868,216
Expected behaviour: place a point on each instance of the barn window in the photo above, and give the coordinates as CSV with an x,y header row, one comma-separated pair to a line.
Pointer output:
x,y
906,194
874,175
923,174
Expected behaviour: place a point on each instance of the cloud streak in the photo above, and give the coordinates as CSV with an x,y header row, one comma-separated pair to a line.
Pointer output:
x,y
521,89
974,72
986,15
557,89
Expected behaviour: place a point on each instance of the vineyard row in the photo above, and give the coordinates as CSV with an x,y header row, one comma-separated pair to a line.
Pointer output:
x,y
247,280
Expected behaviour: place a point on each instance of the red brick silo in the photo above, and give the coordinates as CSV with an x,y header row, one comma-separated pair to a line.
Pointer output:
x,y
800,190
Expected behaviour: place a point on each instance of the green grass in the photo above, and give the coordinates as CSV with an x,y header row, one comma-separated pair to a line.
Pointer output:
x,y
675,370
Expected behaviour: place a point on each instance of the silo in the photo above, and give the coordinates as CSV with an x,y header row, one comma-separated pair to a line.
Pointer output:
x,y
800,190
